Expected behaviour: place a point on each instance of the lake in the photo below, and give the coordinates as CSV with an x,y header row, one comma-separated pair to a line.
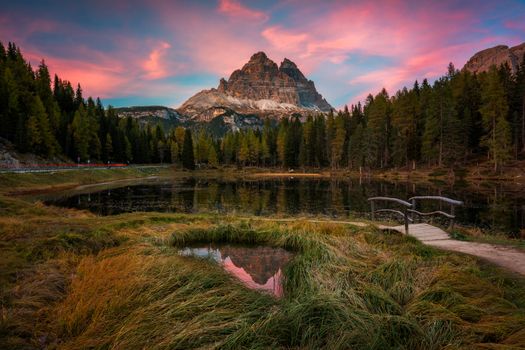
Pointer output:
x,y
492,207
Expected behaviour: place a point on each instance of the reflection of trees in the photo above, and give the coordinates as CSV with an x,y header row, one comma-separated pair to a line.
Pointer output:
x,y
182,195
281,199
336,198
245,200
501,212
486,205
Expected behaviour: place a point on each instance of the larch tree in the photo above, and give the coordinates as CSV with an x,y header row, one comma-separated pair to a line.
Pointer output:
x,y
213,159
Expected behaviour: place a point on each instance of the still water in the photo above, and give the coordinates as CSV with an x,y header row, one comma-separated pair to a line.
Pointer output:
x,y
491,207
257,267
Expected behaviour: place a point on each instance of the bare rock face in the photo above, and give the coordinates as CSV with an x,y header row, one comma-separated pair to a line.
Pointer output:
x,y
498,55
258,87
260,79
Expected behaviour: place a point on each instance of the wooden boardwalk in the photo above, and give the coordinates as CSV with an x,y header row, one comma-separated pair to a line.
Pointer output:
x,y
510,258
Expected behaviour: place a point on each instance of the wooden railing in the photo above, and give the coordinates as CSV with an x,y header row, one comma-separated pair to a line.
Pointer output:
x,y
404,207
410,208
453,203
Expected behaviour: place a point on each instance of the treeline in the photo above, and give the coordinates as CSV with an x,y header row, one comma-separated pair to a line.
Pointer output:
x,y
461,117
53,119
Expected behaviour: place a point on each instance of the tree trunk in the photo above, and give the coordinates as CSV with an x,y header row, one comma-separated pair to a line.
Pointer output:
x,y
523,124
494,144
440,133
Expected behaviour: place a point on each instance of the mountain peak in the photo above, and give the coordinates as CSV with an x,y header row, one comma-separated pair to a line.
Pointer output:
x,y
259,57
259,87
497,55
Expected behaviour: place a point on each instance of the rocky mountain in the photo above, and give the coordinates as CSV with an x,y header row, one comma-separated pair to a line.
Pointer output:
x,y
217,121
261,88
139,112
167,117
497,55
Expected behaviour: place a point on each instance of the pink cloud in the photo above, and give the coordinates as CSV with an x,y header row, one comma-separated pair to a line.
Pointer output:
x,y
284,40
154,66
330,41
235,9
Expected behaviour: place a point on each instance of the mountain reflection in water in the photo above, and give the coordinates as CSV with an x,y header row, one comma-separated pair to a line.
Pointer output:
x,y
258,267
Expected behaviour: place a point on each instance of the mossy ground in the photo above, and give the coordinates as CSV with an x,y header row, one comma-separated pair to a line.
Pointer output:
x,y
73,280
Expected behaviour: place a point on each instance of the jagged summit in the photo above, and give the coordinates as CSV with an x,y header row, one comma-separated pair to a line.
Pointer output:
x,y
260,57
286,63
259,87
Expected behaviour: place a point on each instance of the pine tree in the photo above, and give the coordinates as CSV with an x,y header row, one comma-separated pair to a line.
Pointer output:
x,y
244,150
40,138
202,148
93,129
175,157
404,126
108,147
265,151
308,142
188,160
81,133
161,149
79,99
377,111
253,147
494,109
320,141
128,149
357,147
227,148
338,142
293,142
282,142
43,86
442,139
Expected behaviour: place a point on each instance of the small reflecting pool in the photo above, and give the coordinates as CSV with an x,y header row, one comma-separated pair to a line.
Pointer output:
x,y
257,267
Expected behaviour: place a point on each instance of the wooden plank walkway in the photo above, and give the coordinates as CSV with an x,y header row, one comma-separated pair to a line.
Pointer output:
x,y
510,258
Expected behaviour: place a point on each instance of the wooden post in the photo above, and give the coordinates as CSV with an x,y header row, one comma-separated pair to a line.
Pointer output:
x,y
373,209
452,211
413,201
406,220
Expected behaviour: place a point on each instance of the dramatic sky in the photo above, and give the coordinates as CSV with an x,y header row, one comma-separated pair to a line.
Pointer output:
x,y
162,52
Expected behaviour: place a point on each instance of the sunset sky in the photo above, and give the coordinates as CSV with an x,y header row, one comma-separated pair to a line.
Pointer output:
x,y
162,52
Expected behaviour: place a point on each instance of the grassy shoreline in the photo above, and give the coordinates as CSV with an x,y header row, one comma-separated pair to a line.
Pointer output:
x,y
70,280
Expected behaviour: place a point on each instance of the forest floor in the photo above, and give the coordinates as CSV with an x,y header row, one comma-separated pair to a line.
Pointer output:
x,y
70,279
474,173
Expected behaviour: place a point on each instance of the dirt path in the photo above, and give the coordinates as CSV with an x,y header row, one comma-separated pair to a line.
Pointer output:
x,y
507,257
510,258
